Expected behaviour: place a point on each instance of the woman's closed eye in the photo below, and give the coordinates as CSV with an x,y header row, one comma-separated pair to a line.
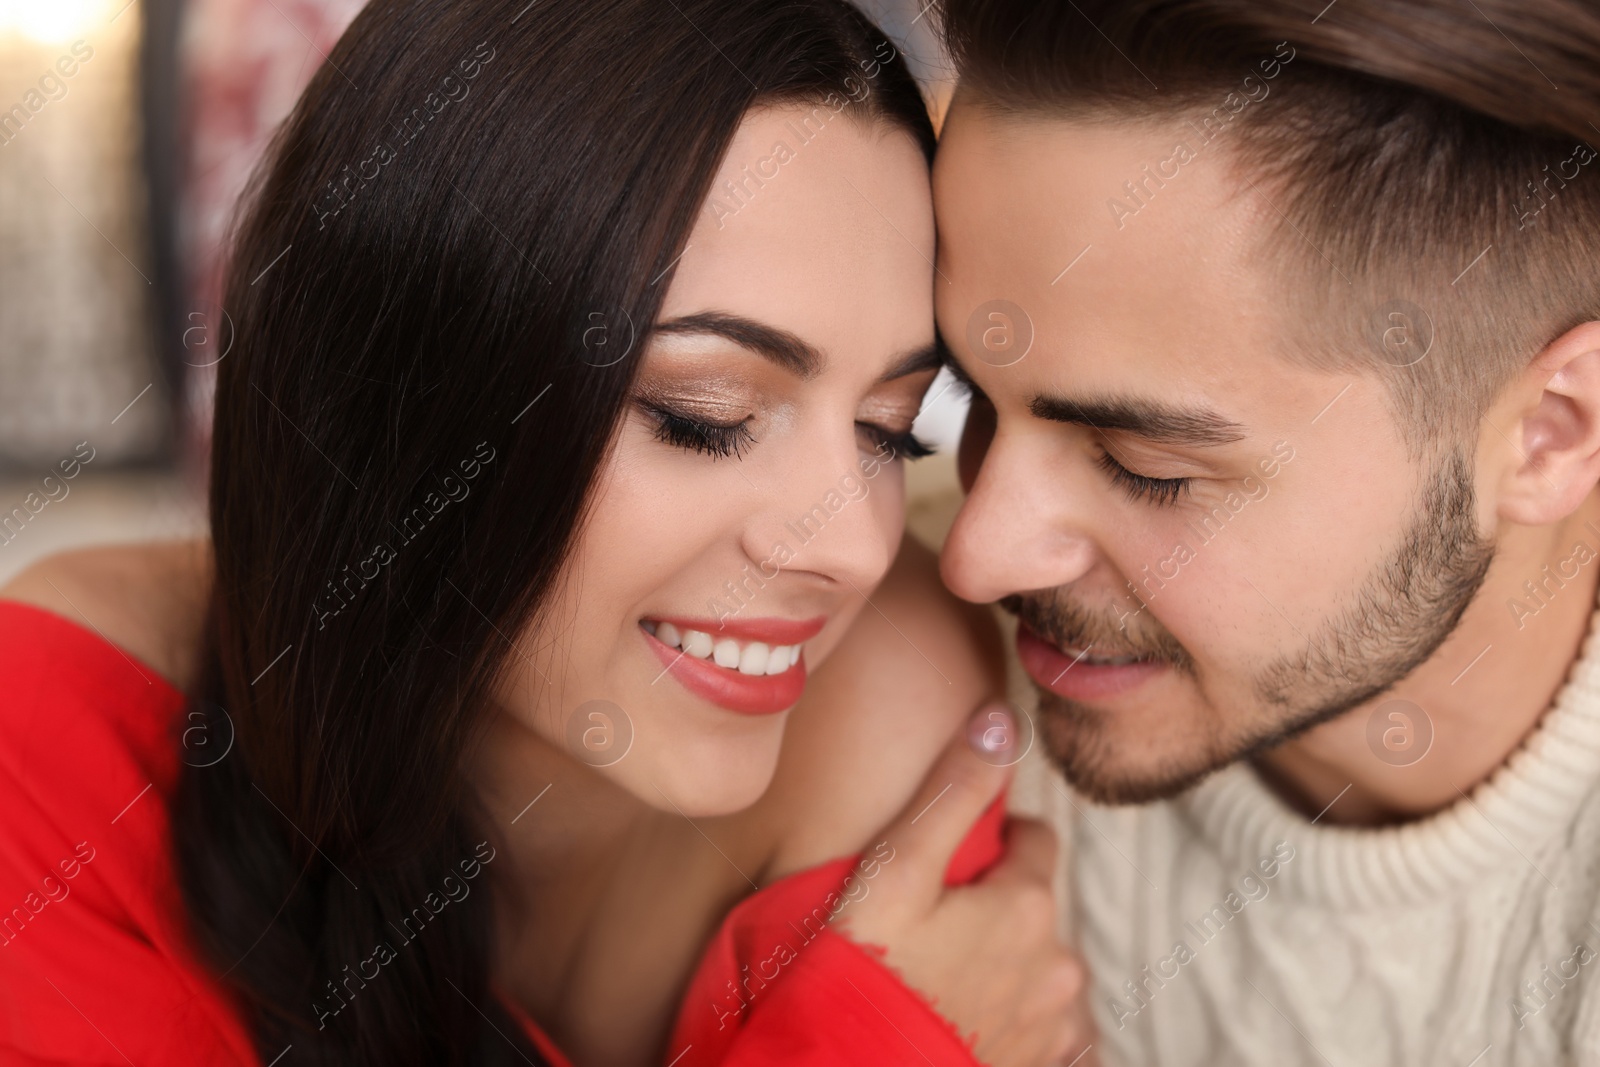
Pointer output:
x,y
718,440
721,440
902,444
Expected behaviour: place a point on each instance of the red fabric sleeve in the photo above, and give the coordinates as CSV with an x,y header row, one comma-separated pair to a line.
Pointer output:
x,y
93,965
777,985
94,962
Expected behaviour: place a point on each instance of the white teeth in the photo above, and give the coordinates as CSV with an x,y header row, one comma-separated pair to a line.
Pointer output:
x,y
753,660
1082,655
697,644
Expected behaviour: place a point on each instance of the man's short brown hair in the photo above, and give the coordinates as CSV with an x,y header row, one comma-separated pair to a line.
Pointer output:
x,y
1432,161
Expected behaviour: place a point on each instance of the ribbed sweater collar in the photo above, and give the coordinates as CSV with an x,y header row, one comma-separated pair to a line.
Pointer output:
x,y
1505,823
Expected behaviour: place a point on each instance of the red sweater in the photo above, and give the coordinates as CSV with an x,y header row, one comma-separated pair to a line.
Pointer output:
x,y
94,963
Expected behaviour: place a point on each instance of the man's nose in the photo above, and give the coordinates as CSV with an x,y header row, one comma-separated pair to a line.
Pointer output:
x,y
1020,528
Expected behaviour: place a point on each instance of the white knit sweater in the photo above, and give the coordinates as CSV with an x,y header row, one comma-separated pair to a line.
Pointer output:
x,y
1470,937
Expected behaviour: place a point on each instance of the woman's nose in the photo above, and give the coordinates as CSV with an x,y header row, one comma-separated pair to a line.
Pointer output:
x,y
838,517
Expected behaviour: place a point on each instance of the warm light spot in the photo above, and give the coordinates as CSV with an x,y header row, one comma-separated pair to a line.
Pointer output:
x,y
56,21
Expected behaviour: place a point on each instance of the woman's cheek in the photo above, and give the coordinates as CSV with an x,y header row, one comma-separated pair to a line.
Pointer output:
x,y
892,501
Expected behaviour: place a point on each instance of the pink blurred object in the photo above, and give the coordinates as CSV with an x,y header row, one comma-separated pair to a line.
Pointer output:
x,y
245,63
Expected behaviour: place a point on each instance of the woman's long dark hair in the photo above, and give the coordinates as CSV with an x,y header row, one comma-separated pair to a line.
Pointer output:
x,y
407,430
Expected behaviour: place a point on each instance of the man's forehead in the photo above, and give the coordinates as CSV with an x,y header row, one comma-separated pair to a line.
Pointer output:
x,y
1114,273
1131,190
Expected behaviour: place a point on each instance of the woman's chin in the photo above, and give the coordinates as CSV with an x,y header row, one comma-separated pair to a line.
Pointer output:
x,y
717,779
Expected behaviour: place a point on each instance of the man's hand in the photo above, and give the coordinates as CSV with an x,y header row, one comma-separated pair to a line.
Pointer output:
x,y
984,954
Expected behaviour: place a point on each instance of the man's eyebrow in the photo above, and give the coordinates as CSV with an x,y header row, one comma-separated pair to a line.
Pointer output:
x,y
1143,418
778,345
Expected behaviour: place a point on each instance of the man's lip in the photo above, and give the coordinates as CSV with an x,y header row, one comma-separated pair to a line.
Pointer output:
x,y
772,631
747,694
1074,677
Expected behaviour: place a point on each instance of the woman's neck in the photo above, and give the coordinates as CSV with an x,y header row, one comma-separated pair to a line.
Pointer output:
x,y
563,825
602,903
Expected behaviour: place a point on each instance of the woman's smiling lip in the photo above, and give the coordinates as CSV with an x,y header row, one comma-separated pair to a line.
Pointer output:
x,y
748,694
730,688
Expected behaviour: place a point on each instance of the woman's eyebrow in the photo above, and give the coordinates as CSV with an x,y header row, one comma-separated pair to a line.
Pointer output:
x,y
777,344
927,357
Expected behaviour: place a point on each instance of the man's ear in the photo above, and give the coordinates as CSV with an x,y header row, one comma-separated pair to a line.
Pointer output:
x,y
1558,431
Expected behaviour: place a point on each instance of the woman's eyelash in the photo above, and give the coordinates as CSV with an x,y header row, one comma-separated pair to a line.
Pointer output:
x,y
721,441
1158,491
905,445
708,438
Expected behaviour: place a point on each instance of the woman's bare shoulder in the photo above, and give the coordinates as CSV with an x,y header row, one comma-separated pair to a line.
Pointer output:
x,y
147,598
914,666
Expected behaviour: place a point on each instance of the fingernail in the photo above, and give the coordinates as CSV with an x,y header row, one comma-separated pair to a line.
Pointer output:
x,y
992,731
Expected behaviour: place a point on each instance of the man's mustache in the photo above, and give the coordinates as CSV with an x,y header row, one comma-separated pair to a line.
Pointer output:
x,y
1059,620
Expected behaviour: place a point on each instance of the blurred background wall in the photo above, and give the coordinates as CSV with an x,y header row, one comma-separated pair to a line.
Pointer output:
x,y
128,129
